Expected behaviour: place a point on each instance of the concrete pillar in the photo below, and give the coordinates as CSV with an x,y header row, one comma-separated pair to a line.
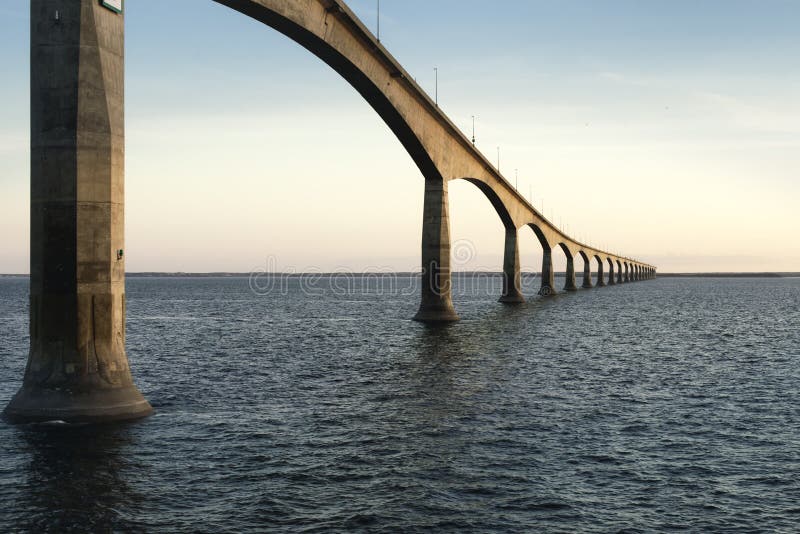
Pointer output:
x,y
587,274
600,277
570,284
436,304
77,366
612,281
548,275
512,282
620,279
627,272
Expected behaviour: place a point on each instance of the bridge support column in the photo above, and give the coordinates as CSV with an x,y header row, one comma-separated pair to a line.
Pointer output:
x,y
600,276
77,367
627,273
570,284
619,274
436,304
512,280
612,281
587,275
548,276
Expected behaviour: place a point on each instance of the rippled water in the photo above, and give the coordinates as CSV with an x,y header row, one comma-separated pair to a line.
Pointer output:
x,y
670,405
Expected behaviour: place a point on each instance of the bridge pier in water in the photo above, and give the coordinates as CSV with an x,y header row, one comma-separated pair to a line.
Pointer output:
x,y
600,276
436,304
512,278
548,275
570,284
77,366
587,273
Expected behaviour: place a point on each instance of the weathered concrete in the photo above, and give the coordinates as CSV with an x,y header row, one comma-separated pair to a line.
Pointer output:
x,y
600,275
620,277
512,279
570,284
548,275
612,281
77,366
436,304
587,271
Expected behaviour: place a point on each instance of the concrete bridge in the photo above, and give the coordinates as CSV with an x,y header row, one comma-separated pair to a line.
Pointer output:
x,y
77,367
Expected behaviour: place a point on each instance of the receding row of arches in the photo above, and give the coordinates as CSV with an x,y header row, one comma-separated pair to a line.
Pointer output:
x,y
598,269
585,267
332,32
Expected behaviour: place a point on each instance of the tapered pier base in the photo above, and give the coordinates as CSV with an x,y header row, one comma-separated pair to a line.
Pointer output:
x,y
31,405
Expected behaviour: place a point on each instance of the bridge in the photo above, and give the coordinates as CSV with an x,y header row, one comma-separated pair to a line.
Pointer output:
x,y
77,366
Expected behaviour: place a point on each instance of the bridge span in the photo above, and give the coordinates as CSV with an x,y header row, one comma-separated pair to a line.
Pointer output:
x,y
77,366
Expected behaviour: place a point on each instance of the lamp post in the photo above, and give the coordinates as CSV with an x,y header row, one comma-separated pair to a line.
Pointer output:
x,y
473,130
436,91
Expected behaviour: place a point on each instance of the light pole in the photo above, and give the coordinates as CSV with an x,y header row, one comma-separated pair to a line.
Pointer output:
x,y
473,130
436,93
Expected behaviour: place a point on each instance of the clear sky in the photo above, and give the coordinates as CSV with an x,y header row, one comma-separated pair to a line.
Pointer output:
x,y
665,130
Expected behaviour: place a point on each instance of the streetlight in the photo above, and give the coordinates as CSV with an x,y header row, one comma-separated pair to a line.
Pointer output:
x,y
436,97
473,130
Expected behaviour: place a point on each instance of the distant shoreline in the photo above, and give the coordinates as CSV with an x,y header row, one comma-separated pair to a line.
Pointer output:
x,y
410,274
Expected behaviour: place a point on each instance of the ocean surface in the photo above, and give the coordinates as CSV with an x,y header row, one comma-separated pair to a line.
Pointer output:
x,y
663,406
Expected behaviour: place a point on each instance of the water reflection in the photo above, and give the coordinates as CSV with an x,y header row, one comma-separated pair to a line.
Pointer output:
x,y
74,478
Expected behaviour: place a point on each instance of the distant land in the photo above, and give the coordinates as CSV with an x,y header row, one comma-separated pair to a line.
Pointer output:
x,y
409,274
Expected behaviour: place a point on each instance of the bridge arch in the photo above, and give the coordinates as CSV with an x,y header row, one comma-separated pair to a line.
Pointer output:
x,y
293,19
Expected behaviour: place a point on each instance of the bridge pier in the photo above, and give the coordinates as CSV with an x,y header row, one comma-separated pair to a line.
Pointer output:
x,y
570,284
548,276
512,279
587,274
436,304
77,366
620,279
612,281
600,276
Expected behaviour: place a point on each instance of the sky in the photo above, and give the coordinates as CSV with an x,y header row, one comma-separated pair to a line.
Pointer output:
x,y
666,131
